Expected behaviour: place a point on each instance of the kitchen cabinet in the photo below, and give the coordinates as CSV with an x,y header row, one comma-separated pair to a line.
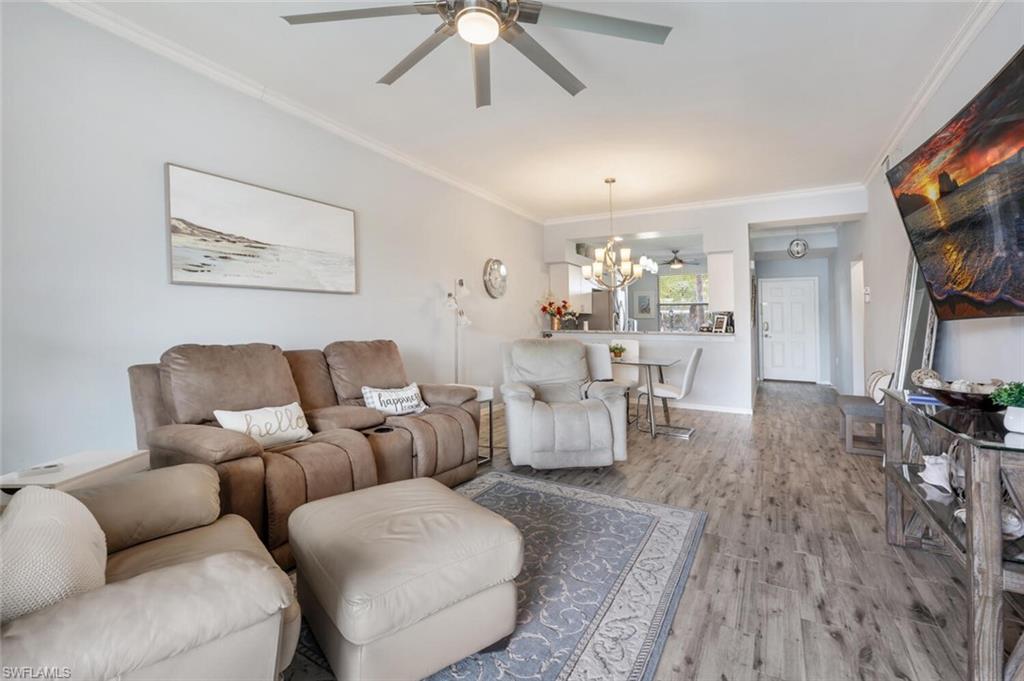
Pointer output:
x,y
567,283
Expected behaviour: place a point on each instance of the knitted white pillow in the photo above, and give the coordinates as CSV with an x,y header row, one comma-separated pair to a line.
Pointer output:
x,y
395,401
53,548
270,426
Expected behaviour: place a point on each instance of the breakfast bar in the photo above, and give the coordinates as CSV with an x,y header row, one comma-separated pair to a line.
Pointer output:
x,y
722,385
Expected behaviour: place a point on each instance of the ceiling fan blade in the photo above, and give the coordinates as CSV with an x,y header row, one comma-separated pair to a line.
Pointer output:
x,y
443,32
515,36
482,74
365,13
560,17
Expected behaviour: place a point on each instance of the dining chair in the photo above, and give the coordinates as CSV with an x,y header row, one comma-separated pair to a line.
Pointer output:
x,y
668,391
628,375
599,362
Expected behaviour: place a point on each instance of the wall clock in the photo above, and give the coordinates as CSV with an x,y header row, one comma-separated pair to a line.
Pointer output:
x,y
495,278
797,248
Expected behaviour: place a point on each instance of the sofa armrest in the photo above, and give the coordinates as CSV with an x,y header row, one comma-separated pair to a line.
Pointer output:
x,y
613,396
447,394
144,506
171,445
517,391
344,416
128,625
605,390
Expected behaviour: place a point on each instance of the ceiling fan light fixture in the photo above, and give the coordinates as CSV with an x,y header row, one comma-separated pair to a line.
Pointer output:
x,y
478,25
676,263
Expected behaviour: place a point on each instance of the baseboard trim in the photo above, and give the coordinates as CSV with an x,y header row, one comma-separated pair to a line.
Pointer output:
x,y
675,404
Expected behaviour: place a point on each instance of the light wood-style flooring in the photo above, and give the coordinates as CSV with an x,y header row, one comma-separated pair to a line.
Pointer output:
x,y
794,578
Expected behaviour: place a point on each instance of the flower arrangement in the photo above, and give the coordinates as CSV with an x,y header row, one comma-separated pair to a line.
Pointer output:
x,y
617,349
557,310
1009,395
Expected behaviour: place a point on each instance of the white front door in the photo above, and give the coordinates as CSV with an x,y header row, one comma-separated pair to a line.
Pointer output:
x,y
789,329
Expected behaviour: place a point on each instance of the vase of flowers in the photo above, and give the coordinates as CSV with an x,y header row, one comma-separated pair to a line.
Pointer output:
x,y
1011,396
557,311
617,350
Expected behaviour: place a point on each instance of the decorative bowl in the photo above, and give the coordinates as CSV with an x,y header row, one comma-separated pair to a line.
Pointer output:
x,y
953,398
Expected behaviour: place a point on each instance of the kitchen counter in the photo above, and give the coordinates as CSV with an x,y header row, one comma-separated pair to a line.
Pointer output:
x,y
718,385
651,335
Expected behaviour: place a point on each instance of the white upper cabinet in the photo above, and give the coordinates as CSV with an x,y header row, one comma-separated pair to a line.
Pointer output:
x,y
567,283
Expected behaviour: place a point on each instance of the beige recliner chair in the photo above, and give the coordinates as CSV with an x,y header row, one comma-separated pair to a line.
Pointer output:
x,y
557,416
187,593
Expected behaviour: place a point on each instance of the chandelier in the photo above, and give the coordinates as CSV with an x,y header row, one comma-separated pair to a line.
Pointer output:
x,y
613,269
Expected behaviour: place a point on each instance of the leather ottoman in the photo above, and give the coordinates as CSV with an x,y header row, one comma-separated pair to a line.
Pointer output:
x,y
400,580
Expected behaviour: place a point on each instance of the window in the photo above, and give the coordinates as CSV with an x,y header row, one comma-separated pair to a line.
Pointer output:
x,y
682,301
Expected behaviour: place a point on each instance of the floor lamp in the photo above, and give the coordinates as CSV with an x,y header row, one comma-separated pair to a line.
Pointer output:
x,y
452,302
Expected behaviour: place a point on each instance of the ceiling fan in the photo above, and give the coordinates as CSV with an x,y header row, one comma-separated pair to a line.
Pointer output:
x,y
676,262
481,22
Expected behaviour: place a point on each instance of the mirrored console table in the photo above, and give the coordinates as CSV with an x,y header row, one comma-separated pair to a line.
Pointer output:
x,y
987,474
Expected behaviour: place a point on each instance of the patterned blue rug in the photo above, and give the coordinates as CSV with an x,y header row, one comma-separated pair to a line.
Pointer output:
x,y
601,581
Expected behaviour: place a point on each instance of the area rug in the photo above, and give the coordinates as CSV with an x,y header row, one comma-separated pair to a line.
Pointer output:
x,y
601,580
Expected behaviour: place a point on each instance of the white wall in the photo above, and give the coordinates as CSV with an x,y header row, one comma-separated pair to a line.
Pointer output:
x,y
849,247
820,269
724,226
89,122
971,348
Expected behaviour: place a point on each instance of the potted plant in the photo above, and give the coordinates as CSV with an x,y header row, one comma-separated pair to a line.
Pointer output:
x,y
1011,396
617,350
557,311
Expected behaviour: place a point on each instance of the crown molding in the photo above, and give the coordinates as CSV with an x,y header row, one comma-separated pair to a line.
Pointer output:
x,y
715,203
93,13
777,232
976,20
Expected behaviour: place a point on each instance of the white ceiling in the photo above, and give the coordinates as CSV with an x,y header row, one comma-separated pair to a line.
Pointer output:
x,y
744,98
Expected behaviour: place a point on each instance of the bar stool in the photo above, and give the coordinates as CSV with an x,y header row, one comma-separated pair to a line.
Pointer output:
x,y
667,391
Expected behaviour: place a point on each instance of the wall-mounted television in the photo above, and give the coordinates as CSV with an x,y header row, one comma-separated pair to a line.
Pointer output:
x,y
961,197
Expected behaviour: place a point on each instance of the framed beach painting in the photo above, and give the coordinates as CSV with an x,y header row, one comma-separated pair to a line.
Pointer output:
x,y
229,233
961,197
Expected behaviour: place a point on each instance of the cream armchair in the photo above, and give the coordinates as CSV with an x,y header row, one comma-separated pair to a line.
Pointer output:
x,y
187,594
557,416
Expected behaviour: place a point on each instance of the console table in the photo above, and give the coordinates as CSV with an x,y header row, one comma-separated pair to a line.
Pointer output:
x,y
79,470
993,475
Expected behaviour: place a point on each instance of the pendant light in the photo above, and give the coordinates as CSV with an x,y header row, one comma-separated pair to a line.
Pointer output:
x,y
613,269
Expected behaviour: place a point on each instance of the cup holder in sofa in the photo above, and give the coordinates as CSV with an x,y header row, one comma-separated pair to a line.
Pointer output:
x,y
384,429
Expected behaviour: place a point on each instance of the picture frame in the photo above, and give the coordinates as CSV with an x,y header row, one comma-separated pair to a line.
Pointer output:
x,y
226,232
644,305
721,323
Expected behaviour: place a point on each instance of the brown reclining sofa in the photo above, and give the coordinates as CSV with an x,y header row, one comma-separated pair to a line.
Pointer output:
x,y
352,447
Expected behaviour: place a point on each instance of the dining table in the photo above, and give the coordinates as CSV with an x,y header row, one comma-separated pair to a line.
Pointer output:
x,y
648,365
